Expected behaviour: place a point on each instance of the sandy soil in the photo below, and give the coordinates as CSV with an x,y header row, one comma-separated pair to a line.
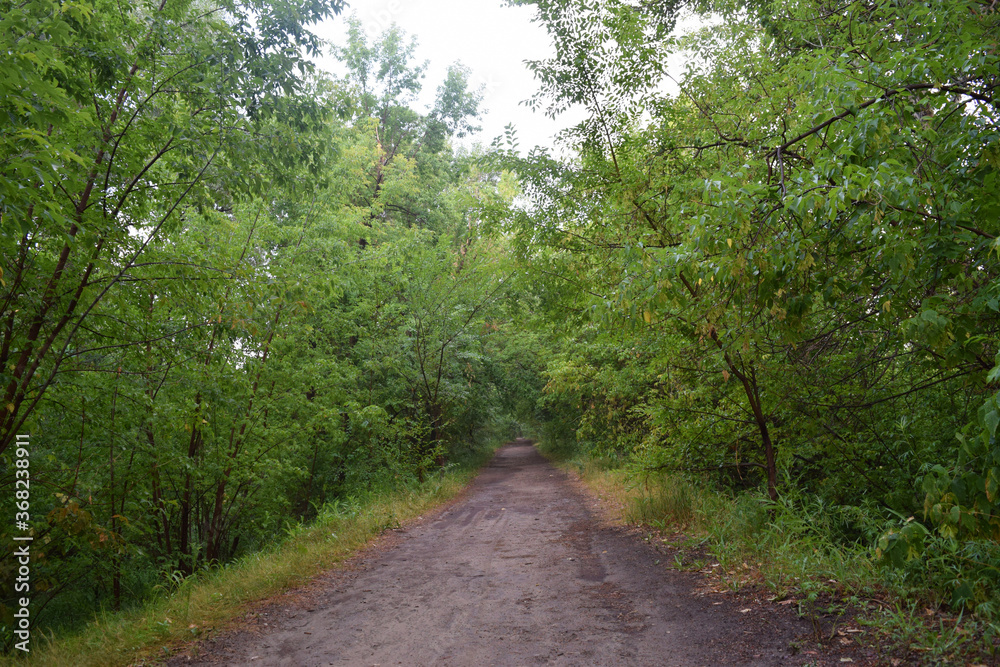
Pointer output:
x,y
517,572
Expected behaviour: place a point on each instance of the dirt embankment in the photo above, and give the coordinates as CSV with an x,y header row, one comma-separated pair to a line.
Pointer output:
x,y
517,572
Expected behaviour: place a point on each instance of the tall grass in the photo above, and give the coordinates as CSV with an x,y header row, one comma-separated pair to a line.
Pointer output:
x,y
794,545
797,547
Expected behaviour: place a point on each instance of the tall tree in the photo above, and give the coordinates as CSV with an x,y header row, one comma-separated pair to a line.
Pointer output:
x,y
121,120
815,202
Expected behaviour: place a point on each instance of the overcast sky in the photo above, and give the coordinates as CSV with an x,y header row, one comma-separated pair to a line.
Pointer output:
x,y
491,39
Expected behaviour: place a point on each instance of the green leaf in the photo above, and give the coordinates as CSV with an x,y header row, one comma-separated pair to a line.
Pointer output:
x,y
990,420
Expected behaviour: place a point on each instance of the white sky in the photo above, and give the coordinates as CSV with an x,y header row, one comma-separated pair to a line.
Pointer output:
x,y
491,39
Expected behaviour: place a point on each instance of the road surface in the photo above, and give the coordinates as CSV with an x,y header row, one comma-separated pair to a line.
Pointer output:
x,y
518,571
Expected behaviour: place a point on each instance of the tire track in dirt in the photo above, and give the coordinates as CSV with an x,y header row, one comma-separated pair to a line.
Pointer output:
x,y
518,572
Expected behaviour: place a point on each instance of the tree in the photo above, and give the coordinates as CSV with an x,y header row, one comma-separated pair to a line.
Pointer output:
x,y
129,129
779,217
123,121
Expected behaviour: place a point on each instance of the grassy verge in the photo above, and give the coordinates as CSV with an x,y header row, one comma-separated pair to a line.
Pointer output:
x,y
795,551
209,600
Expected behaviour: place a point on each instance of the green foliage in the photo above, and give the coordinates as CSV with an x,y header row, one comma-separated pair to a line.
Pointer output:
x,y
232,291
779,263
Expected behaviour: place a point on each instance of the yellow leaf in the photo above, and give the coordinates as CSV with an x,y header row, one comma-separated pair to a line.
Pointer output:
x,y
730,242
725,375
10,407
648,316
887,305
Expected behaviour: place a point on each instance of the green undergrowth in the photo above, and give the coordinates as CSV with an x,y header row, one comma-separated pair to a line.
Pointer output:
x,y
195,606
797,548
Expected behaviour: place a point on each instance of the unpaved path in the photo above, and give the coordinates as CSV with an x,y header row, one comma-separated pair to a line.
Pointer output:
x,y
518,572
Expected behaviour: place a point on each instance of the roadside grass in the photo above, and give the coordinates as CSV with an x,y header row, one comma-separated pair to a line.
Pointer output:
x,y
209,600
796,549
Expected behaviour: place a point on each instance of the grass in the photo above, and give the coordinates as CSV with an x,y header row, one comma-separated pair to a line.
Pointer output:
x,y
196,606
788,549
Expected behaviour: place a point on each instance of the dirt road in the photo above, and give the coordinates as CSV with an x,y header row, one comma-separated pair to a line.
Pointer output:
x,y
518,572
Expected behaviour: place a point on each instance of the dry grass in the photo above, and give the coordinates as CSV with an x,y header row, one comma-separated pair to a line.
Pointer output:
x,y
658,501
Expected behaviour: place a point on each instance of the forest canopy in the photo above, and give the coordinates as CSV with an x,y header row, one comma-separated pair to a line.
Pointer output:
x,y
235,288
786,256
